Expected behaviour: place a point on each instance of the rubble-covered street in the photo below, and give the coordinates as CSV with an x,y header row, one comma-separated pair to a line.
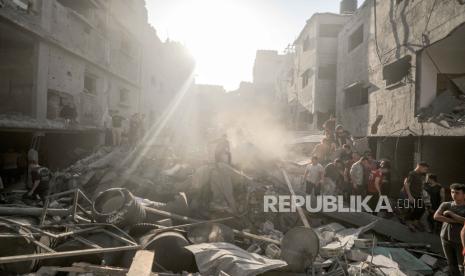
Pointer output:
x,y
232,137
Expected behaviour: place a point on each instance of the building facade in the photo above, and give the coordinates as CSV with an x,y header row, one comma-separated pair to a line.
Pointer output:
x,y
401,75
93,57
313,76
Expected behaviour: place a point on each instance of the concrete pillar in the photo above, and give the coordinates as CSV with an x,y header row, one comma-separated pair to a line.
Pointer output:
x,y
46,14
40,77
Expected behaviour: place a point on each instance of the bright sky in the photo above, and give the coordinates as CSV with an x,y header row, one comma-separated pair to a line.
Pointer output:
x,y
224,35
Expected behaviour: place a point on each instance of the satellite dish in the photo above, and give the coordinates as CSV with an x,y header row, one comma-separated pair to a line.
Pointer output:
x,y
299,248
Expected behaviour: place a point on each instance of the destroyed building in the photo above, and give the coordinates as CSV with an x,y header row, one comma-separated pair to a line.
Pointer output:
x,y
400,82
90,57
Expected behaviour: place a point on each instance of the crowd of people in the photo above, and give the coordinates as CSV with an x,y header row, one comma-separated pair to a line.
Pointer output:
x,y
422,203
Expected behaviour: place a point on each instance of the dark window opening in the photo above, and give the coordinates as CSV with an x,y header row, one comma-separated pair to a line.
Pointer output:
x,y
290,76
327,72
126,46
395,72
356,38
306,77
124,96
90,84
355,95
329,30
309,44
450,82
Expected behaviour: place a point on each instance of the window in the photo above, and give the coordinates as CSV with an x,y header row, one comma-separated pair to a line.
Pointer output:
x,y
126,44
306,77
395,72
327,72
90,84
356,94
290,76
329,30
309,44
356,38
124,96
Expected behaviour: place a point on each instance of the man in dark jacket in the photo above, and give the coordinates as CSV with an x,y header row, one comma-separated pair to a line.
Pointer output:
x,y
41,177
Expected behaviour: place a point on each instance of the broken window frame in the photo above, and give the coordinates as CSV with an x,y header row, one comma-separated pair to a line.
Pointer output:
x,y
329,30
126,45
356,94
124,95
306,75
394,74
308,44
356,38
291,78
93,90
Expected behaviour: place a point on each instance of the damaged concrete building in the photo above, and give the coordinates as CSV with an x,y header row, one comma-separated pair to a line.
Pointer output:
x,y
312,79
86,56
401,75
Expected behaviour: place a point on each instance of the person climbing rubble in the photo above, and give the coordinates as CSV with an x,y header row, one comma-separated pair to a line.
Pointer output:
x,y
40,177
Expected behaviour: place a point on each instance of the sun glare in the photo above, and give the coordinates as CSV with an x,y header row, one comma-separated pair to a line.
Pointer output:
x,y
218,33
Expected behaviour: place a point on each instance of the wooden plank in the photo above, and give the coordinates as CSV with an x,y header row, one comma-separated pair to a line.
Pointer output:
x,y
388,228
142,263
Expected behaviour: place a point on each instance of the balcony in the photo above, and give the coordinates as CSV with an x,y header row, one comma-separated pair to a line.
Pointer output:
x,y
75,31
21,11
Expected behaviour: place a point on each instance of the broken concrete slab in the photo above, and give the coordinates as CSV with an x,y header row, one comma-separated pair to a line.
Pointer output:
x,y
406,261
429,260
388,228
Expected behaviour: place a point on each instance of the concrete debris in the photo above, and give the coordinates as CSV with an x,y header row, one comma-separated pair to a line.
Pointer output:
x,y
212,258
447,110
429,260
192,217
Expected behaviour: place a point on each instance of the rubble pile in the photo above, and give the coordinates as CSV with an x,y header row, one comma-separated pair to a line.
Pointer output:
x,y
448,108
120,212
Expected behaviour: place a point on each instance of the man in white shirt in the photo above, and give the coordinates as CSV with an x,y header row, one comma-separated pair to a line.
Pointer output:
x,y
313,176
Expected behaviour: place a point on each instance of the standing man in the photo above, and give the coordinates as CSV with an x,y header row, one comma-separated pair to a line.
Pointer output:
x,y
324,150
313,176
376,183
117,128
329,126
452,216
358,176
346,153
342,137
40,177
69,113
334,176
107,124
223,150
134,128
436,193
413,191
